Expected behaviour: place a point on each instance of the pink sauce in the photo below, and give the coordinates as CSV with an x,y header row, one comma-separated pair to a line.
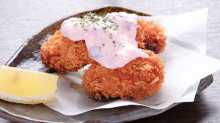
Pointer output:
x,y
110,40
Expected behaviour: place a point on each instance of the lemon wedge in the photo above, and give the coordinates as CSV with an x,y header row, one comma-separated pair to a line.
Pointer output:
x,y
26,86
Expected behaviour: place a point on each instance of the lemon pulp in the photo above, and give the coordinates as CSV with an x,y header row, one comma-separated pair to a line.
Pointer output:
x,y
26,86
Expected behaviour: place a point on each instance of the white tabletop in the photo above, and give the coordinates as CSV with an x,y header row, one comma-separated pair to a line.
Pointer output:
x,y
20,19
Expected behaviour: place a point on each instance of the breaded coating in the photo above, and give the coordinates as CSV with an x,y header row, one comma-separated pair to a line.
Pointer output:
x,y
63,54
150,36
139,78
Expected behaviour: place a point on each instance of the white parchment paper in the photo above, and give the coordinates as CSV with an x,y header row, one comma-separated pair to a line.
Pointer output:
x,y
185,64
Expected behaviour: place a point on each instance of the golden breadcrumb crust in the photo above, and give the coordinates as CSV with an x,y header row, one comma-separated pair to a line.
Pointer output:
x,y
150,36
139,78
62,54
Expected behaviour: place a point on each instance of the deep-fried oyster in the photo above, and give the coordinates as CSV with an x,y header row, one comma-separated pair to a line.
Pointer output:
x,y
63,54
136,80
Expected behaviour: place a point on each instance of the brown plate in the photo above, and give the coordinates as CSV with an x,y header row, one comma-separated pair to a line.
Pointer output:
x,y
27,56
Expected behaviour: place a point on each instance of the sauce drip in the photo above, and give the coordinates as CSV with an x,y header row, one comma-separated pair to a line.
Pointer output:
x,y
110,40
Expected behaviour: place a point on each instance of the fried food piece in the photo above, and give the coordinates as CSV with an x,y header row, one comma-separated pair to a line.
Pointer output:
x,y
63,54
139,78
150,36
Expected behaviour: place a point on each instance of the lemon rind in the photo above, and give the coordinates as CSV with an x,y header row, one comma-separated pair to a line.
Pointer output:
x,y
27,99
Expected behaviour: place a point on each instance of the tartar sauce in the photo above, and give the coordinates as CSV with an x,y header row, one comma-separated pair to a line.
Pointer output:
x,y
110,40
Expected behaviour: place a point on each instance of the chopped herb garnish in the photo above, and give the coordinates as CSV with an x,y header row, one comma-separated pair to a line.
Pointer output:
x,y
113,42
96,21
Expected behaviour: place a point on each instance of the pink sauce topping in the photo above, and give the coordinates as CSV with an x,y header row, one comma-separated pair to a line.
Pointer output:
x,y
110,40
